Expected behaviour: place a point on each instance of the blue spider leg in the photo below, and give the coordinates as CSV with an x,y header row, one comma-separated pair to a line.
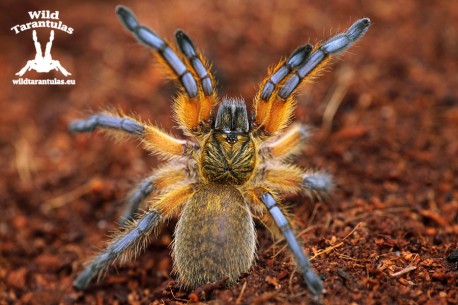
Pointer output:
x,y
188,49
104,121
151,39
138,195
334,45
132,240
319,183
296,59
313,281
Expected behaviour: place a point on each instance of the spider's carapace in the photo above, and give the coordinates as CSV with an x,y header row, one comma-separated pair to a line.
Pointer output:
x,y
230,170
228,154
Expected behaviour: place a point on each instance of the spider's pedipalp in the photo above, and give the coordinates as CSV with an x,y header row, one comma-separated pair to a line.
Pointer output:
x,y
312,280
130,241
206,85
104,121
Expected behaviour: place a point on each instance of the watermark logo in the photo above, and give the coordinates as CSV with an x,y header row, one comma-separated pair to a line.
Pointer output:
x,y
43,62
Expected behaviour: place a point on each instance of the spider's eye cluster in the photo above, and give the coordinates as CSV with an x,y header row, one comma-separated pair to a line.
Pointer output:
x,y
231,138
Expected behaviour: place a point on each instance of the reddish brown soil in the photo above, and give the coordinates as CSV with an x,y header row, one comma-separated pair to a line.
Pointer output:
x,y
384,237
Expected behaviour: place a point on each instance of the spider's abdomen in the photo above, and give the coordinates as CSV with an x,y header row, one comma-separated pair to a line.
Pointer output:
x,y
214,238
228,158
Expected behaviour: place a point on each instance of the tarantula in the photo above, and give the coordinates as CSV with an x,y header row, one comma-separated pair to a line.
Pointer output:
x,y
231,169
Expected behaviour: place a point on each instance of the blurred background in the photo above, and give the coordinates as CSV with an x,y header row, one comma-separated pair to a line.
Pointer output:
x,y
385,120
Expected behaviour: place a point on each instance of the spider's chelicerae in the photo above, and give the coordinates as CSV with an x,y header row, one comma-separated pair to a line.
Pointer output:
x,y
230,170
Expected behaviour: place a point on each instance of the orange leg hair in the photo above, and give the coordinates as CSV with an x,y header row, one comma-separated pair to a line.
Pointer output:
x,y
165,145
267,102
136,236
274,103
198,96
290,180
153,138
287,144
165,178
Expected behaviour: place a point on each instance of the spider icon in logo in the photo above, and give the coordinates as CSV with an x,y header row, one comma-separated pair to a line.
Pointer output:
x,y
43,64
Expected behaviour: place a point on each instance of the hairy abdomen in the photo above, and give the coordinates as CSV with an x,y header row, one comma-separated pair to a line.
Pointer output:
x,y
214,238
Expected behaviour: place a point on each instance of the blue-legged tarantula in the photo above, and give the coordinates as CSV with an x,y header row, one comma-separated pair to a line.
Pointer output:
x,y
230,170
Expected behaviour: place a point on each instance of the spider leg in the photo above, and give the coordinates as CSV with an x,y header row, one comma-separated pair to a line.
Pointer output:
x,y
158,182
152,137
196,61
312,280
194,107
135,238
274,102
319,183
288,144
289,179
137,196
105,121
207,87
129,241
318,58
265,103
151,39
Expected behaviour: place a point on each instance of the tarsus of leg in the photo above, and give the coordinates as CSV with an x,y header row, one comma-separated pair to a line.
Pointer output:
x,y
318,182
312,280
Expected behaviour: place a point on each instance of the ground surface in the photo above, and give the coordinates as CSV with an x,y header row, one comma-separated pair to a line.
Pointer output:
x,y
384,237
